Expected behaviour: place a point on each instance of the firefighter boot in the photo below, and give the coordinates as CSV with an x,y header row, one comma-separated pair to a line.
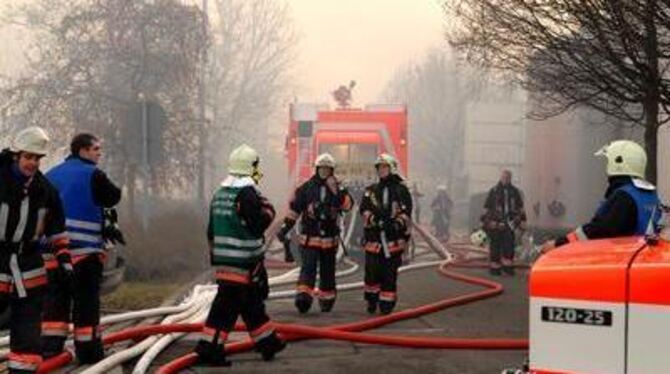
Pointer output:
x,y
509,270
52,346
372,306
303,302
89,353
326,305
270,346
386,307
211,354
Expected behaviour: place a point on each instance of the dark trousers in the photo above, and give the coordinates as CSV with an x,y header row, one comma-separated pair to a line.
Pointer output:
x,y
25,312
233,300
323,261
81,300
381,279
502,248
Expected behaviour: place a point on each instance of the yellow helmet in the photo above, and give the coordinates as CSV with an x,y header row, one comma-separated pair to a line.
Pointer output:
x,y
624,157
325,160
33,139
387,159
243,160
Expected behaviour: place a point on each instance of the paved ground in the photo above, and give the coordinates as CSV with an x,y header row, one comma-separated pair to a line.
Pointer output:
x,y
504,316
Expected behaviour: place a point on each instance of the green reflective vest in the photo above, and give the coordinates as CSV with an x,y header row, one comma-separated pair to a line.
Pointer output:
x,y
234,245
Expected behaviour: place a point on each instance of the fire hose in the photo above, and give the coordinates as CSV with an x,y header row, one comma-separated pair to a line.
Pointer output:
x,y
350,332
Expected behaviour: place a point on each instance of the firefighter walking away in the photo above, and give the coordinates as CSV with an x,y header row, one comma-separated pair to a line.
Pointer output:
x,y
386,209
238,218
320,202
30,209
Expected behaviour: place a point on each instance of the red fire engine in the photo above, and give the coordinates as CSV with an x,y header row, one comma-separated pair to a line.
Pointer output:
x,y
355,137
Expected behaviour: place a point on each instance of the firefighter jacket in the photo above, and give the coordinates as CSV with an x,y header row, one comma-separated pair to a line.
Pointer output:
x,y
320,209
631,207
30,212
238,218
503,208
386,209
84,193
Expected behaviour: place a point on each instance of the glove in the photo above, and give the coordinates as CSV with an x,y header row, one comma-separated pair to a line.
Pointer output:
x,y
65,269
111,231
282,234
321,211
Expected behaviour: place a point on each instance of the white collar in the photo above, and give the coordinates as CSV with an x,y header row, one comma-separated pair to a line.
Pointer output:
x,y
238,182
643,184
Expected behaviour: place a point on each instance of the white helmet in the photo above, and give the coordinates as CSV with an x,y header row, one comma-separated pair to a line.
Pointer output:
x,y
442,187
243,160
325,160
479,238
33,140
387,159
624,157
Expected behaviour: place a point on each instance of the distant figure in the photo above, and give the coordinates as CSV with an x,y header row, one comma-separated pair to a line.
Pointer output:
x,y
442,206
503,214
343,95
416,197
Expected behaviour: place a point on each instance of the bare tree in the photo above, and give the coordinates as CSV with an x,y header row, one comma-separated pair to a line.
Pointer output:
x,y
610,55
437,91
92,60
252,55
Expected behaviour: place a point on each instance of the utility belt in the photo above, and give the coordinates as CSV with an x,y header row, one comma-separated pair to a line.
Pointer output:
x,y
393,246
232,274
77,256
318,242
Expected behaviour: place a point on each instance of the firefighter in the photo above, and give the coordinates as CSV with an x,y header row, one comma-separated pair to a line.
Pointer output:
x,y
442,206
85,191
238,218
503,214
320,201
30,209
386,209
631,205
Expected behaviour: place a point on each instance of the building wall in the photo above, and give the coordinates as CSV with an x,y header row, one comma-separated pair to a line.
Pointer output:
x,y
561,166
494,140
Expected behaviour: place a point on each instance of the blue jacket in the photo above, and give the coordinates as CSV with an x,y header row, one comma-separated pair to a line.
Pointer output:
x,y
83,217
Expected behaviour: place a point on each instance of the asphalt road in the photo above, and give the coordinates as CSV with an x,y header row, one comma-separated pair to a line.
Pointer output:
x,y
504,316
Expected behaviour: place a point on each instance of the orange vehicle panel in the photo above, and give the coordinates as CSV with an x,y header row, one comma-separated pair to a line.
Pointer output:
x,y
590,270
650,276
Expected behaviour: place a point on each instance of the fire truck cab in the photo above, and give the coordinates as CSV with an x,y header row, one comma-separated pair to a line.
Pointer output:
x,y
353,136
601,306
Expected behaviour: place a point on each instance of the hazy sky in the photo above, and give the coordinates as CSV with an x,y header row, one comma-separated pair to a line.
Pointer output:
x,y
363,40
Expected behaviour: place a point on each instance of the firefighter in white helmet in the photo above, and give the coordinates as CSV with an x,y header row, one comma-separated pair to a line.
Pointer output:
x,y
31,221
238,218
320,201
386,209
631,205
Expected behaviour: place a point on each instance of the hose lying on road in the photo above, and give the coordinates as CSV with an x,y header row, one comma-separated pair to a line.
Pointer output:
x,y
293,332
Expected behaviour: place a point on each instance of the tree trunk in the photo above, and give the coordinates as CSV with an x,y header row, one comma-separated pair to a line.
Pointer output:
x,y
651,141
653,96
